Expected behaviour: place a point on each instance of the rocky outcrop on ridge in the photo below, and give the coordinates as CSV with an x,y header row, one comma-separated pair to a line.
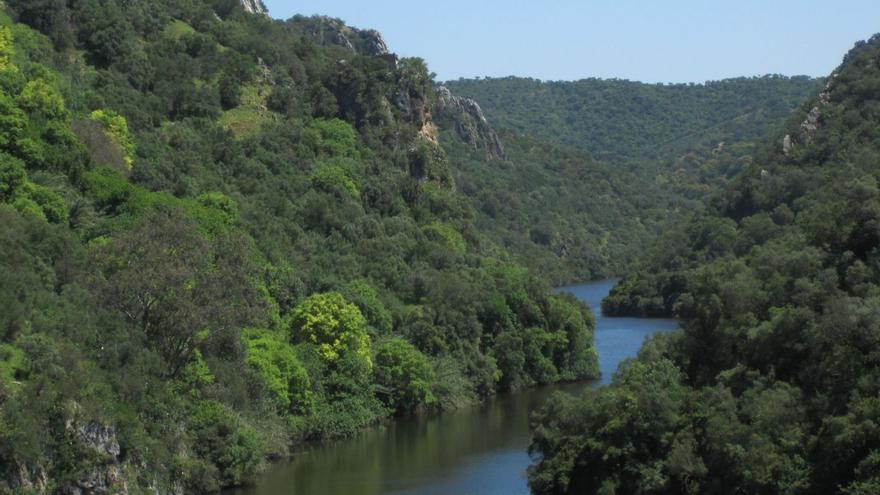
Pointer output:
x,y
465,116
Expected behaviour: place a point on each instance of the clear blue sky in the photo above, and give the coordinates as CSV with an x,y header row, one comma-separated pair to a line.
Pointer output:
x,y
644,40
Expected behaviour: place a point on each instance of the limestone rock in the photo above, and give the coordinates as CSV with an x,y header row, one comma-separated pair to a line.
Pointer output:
x,y
254,7
373,43
469,122
99,437
329,31
786,144
810,125
25,479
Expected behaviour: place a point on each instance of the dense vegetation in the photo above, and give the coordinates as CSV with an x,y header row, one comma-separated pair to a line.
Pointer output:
x,y
597,169
614,119
219,236
772,384
559,212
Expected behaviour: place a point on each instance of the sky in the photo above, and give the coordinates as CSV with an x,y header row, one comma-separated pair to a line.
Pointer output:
x,y
642,40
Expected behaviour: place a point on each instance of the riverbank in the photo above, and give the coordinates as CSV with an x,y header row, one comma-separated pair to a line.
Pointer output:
x,y
479,449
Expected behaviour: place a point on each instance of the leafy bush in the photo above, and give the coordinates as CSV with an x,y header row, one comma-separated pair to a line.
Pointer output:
x,y
404,376
235,450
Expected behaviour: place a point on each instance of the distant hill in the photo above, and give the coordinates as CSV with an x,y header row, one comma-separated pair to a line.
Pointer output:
x,y
615,120
594,170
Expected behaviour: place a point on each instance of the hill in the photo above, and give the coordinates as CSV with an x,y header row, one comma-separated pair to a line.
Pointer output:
x,y
618,120
586,174
223,235
771,385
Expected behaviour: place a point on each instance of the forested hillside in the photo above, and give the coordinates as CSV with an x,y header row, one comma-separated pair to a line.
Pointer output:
x,y
772,384
616,120
222,235
561,213
594,170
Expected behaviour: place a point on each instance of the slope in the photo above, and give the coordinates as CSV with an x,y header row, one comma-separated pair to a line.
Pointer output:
x,y
771,386
223,235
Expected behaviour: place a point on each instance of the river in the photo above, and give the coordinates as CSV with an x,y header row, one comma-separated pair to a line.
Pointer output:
x,y
479,450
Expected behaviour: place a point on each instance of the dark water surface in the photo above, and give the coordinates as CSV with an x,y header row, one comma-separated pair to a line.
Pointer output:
x,y
479,450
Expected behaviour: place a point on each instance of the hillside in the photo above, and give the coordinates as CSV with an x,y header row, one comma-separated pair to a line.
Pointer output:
x,y
222,236
586,174
618,120
559,212
772,384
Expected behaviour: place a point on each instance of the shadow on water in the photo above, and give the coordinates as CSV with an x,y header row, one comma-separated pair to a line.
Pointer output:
x,y
480,450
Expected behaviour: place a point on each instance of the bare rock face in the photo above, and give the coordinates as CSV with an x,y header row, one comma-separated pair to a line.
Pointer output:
x,y
373,43
329,31
254,7
25,479
106,475
810,126
786,144
101,438
415,108
469,122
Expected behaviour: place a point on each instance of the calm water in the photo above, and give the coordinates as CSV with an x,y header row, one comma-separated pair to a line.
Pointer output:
x,y
475,451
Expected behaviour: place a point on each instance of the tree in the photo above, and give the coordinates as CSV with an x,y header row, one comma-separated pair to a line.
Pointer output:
x,y
404,375
174,287
275,360
336,327
234,449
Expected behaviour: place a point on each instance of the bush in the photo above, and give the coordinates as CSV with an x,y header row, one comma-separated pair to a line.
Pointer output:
x,y
219,437
404,376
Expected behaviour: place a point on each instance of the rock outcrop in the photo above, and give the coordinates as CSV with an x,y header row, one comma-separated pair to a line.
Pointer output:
x,y
329,31
810,125
108,471
254,7
465,116
415,109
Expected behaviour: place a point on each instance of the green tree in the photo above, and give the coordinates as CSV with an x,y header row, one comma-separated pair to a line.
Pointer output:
x,y
235,450
277,364
404,376
174,287
336,327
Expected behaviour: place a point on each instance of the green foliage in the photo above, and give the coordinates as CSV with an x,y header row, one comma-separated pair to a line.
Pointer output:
x,y
597,169
445,234
366,298
43,99
277,364
117,129
12,363
51,204
211,294
334,179
332,137
619,119
405,375
771,385
203,288
233,449
12,177
334,325
7,47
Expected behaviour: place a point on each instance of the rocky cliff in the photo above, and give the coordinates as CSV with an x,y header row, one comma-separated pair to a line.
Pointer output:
x,y
329,31
465,116
108,472
808,128
254,7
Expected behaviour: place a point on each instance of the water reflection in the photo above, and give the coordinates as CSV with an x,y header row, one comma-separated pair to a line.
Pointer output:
x,y
474,451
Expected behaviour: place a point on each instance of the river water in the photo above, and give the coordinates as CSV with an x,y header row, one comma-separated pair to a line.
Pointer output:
x,y
479,450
